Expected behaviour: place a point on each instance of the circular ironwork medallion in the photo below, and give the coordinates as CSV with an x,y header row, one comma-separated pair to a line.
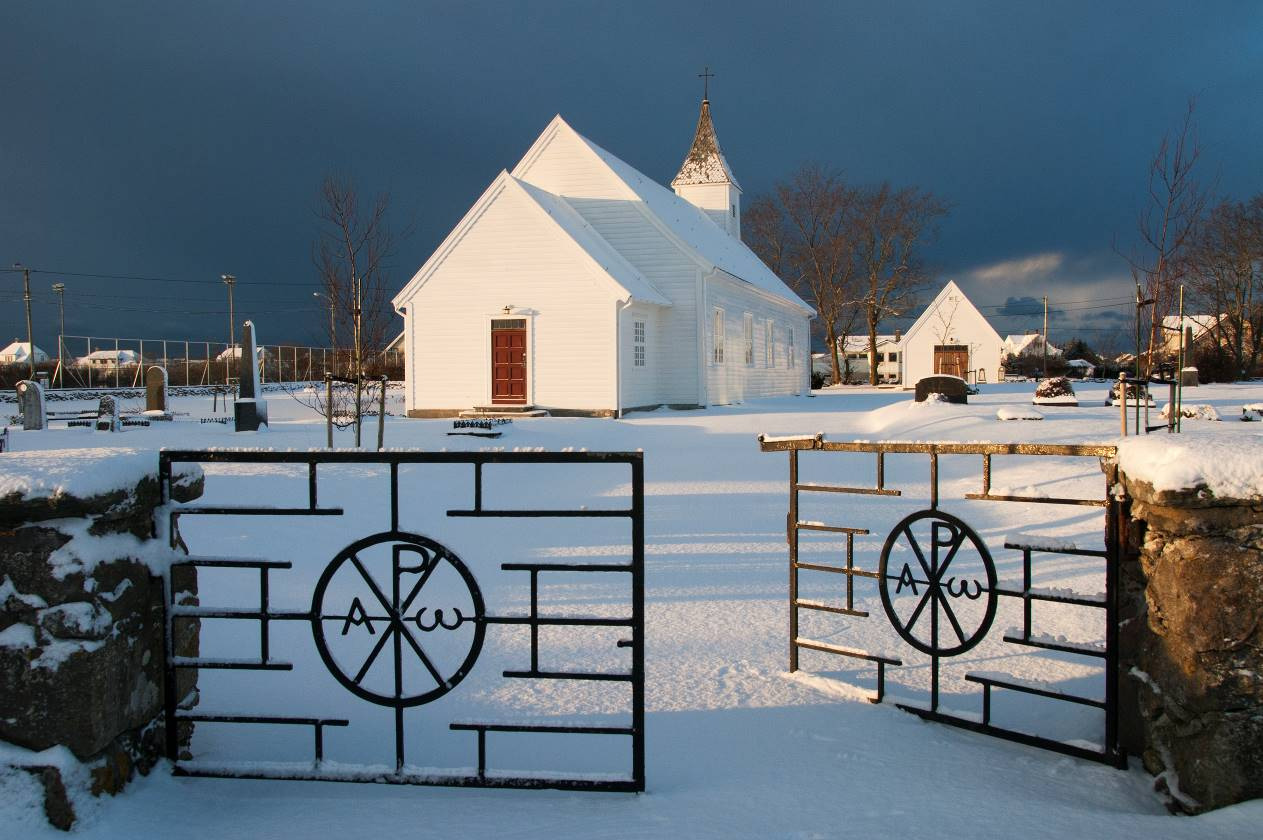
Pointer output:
x,y
398,619
942,598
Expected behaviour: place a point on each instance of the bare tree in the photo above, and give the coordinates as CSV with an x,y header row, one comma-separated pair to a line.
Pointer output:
x,y
804,232
351,255
892,226
1166,224
1226,275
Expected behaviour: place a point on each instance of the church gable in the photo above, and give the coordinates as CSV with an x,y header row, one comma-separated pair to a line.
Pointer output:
x,y
562,163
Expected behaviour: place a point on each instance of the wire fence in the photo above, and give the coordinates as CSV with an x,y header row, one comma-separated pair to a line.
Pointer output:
x,y
115,362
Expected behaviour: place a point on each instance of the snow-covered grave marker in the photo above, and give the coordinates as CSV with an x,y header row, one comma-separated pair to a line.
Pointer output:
x,y
107,419
250,410
31,404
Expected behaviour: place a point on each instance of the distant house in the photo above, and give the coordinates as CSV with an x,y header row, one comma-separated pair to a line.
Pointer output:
x,y
19,352
1030,344
1081,368
1200,328
108,359
950,337
857,361
579,285
233,353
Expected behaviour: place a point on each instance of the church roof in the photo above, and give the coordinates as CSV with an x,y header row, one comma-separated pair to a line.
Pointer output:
x,y
577,229
705,163
695,230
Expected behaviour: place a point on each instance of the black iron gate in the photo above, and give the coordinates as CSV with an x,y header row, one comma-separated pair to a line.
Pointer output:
x,y
397,622
949,585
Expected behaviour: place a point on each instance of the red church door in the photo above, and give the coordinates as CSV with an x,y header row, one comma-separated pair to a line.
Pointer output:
x,y
508,361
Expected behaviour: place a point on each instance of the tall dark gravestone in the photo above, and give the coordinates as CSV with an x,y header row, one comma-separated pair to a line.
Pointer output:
x,y
250,411
31,402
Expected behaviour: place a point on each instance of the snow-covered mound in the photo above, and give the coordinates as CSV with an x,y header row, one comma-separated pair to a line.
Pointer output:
x,y
1017,412
1193,411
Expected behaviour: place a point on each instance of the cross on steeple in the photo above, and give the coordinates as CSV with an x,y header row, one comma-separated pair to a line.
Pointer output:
x,y
706,76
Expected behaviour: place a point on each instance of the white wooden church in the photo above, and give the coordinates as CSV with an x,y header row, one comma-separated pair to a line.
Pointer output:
x,y
577,285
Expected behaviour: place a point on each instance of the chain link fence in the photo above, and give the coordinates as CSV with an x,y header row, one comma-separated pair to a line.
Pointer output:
x,y
114,362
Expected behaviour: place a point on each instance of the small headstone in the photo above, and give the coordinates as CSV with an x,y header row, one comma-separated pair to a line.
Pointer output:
x,y
953,388
1188,377
107,415
31,402
250,410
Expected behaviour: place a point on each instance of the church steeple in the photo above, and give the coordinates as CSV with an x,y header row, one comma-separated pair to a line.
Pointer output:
x,y
706,181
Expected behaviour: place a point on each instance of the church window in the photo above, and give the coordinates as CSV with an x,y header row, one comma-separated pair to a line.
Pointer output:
x,y
638,343
717,338
769,333
749,337
793,354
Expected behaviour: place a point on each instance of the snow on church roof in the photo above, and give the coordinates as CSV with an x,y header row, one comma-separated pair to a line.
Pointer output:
x,y
695,229
595,245
705,162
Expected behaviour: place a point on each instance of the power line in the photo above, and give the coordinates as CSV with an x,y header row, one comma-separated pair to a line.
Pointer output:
x,y
101,276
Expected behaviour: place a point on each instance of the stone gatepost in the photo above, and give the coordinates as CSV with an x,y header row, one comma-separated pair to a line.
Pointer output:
x,y
1191,616
82,644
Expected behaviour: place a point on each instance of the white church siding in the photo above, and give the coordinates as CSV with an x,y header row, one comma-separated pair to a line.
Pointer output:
x,y
511,258
625,227
735,379
639,382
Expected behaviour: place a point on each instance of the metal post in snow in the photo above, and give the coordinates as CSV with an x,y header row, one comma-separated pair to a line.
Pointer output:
x,y
329,408
381,415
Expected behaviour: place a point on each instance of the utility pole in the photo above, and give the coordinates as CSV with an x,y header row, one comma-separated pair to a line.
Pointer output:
x,y
229,281
30,333
60,290
1045,342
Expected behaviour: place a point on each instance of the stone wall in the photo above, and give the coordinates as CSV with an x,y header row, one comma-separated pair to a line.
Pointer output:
x,y
81,629
1191,643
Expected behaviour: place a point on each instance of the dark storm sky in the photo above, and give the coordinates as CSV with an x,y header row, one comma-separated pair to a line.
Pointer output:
x,y
185,141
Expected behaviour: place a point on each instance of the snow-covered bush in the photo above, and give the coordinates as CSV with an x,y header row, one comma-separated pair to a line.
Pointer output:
x,y
1132,391
1055,391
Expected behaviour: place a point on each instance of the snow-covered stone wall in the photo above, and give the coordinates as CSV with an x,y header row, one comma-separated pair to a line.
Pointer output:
x,y
81,618
1191,637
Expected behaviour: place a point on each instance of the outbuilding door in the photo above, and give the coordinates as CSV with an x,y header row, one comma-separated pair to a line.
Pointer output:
x,y
951,359
508,361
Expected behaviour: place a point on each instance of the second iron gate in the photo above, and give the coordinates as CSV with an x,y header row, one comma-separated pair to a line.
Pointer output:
x,y
940,592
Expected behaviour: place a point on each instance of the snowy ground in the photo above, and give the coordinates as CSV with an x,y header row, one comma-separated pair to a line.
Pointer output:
x,y
736,746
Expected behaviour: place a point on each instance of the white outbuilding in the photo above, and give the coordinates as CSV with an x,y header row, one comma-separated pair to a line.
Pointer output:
x,y
578,285
19,352
951,337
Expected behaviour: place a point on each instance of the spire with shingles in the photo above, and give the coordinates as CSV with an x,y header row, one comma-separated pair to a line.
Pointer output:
x,y
705,163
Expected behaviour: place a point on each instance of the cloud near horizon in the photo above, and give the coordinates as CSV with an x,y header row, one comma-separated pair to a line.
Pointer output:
x,y
1025,269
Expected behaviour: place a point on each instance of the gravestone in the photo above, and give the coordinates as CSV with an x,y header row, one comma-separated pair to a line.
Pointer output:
x,y
31,402
250,409
156,392
1188,377
107,415
953,388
